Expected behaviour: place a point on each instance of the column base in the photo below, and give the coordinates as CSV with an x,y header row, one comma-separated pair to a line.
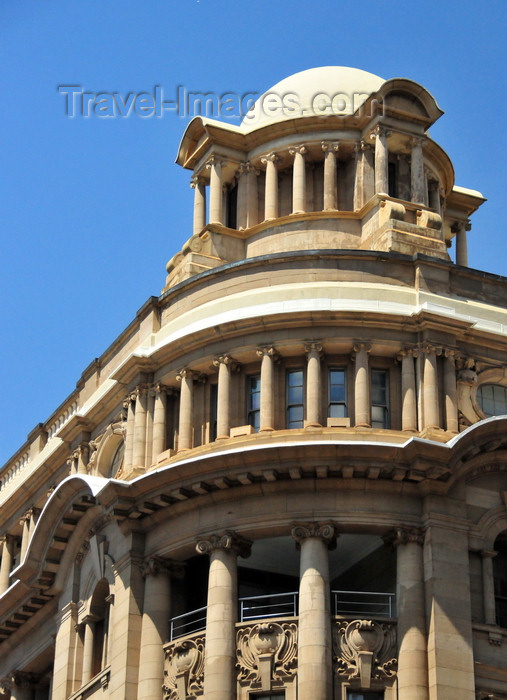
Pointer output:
x,y
266,430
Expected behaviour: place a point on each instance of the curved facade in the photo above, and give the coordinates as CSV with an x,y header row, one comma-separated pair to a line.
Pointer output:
x,y
287,477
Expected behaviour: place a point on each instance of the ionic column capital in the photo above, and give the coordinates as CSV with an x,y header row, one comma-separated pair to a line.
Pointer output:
x,y
407,352
21,679
229,540
380,131
417,140
430,349
313,347
214,160
167,567
269,350
186,373
196,180
270,158
488,553
301,149
330,146
358,347
363,145
327,532
227,360
403,534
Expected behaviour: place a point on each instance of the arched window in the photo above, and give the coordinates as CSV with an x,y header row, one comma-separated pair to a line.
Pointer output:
x,y
500,576
492,399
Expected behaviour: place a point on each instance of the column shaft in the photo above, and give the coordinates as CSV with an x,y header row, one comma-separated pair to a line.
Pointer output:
x,y
216,193
271,196
185,439
159,422
313,384
408,393
6,565
129,438
267,412
242,204
362,386
253,197
139,448
298,180
330,179
154,632
412,642
462,246
225,364
199,204
451,394
430,390
381,161
488,587
25,522
418,178
88,652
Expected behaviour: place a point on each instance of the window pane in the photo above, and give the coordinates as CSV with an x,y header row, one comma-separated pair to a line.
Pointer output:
x,y
296,415
492,398
295,394
295,378
337,410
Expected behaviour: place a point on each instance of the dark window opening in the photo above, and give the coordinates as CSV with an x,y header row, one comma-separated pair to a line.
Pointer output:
x,y
254,402
500,577
337,406
295,399
379,398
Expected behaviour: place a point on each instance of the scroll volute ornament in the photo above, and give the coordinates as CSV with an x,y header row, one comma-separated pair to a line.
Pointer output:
x,y
267,654
365,649
184,669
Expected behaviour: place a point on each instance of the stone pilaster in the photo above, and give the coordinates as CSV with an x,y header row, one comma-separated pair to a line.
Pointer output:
x,y
159,420
271,195
408,390
362,385
314,680
313,384
157,573
128,460
220,661
199,186
267,399
139,446
64,669
185,438
8,544
330,177
216,190
89,634
488,587
412,640
25,537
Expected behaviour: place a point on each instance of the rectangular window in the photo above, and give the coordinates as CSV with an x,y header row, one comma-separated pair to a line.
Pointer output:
x,y
353,695
337,406
270,696
254,401
295,398
379,398
213,412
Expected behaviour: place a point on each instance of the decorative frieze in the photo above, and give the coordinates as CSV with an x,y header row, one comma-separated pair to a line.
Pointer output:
x,y
364,650
267,654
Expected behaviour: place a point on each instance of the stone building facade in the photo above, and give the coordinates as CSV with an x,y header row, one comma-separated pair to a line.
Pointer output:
x,y
287,477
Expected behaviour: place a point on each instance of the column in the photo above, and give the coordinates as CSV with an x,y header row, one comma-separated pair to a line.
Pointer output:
x,y
129,437
185,438
25,524
271,196
418,178
362,385
461,229
488,587
430,388
252,195
358,175
410,602
65,670
226,364
434,195
159,421
242,204
8,542
199,186
330,180
267,400
408,391
157,573
381,160
314,679
83,456
313,384
89,623
216,193
21,685
450,391
139,448
220,659
298,179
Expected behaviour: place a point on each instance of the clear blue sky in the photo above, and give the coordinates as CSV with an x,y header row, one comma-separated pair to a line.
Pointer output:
x,y
92,209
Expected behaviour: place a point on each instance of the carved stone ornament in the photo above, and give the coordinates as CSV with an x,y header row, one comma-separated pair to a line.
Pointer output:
x,y
184,668
365,650
324,531
267,654
228,540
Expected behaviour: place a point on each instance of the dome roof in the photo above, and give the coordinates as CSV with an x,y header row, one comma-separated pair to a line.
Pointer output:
x,y
316,91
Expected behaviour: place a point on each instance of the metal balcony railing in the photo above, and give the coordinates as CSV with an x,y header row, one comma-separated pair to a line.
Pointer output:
x,y
363,604
260,607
